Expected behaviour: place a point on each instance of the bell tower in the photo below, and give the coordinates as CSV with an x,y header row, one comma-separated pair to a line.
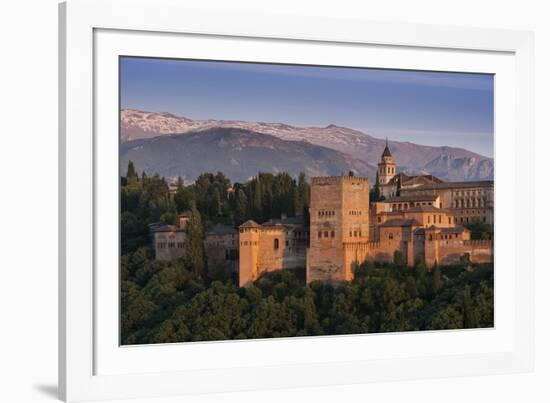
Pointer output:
x,y
386,166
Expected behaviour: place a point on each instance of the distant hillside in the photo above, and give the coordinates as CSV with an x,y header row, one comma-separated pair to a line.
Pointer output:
x,y
238,153
449,163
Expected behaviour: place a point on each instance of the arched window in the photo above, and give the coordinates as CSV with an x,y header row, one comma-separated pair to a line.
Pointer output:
x,y
276,243
390,235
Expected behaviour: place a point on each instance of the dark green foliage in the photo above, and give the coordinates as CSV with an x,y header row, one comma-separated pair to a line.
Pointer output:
x,y
131,172
146,200
143,201
436,276
470,319
167,302
176,301
194,247
241,207
399,259
479,230
375,194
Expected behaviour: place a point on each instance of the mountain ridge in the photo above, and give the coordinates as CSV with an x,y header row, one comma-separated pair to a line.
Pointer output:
x,y
449,163
238,153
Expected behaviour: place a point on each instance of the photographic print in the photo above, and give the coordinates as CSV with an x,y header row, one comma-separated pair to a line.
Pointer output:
x,y
274,200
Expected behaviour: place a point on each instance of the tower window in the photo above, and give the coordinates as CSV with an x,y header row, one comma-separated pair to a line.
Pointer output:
x,y
276,243
332,234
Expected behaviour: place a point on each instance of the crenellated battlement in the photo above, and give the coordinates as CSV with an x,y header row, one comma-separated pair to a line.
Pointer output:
x,y
485,243
365,245
333,180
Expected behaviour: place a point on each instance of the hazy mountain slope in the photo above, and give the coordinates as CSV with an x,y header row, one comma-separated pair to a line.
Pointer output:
x,y
449,163
238,153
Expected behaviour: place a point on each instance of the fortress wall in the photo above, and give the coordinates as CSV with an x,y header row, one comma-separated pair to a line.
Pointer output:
x,y
450,252
168,245
222,251
290,254
481,251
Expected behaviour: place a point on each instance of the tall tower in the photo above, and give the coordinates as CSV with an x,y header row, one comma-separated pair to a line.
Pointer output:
x,y
386,166
249,236
339,215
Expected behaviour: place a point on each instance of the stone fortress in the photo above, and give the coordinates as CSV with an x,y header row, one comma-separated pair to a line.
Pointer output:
x,y
419,216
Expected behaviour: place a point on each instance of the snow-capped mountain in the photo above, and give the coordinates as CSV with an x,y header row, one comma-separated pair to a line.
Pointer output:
x,y
450,163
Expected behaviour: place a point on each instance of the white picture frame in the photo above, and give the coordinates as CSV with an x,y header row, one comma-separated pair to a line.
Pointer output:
x,y
91,364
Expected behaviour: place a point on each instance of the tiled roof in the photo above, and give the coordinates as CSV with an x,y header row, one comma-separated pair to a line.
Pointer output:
x,y
452,230
220,229
298,220
400,222
386,152
250,224
425,209
456,185
400,199
168,228
407,180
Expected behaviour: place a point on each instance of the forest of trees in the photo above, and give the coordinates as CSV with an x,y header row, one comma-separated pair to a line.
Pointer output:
x,y
177,301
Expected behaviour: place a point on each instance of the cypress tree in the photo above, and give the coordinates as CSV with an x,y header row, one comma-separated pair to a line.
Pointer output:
x,y
376,188
218,200
194,246
179,183
131,171
242,206
257,200
436,272
303,192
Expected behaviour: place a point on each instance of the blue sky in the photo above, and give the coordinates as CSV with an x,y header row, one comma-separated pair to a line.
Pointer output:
x,y
431,108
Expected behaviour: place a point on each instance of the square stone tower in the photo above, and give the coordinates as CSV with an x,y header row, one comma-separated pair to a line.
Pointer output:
x,y
339,215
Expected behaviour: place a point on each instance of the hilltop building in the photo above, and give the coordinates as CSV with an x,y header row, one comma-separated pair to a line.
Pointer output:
x,y
421,217
469,201
169,240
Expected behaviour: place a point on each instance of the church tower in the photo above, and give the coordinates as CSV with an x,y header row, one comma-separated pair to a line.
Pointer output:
x,y
386,167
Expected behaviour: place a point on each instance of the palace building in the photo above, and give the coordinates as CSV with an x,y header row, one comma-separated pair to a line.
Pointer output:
x,y
421,217
169,240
